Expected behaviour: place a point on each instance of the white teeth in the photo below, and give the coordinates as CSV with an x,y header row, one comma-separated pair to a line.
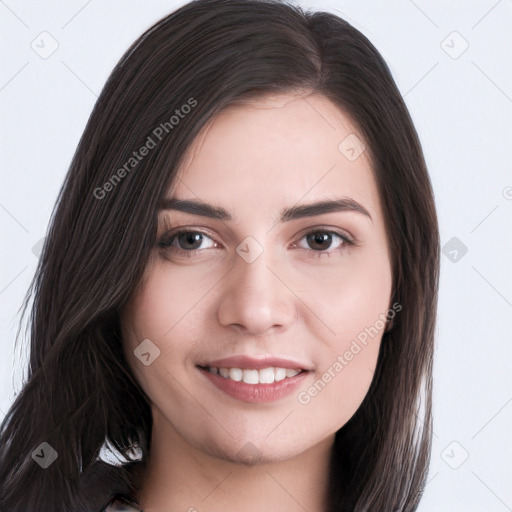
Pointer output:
x,y
252,376
235,374
266,375
279,374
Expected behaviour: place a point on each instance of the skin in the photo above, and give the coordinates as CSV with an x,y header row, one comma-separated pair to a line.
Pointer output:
x,y
254,160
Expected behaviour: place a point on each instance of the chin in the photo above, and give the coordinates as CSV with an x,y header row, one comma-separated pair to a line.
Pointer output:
x,y
254,452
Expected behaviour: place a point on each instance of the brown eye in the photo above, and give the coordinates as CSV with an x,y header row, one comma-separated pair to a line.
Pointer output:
x,y
188,239
319,240
324,243
185,241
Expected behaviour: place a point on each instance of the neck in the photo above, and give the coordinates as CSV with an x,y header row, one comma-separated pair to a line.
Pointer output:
x,y
180,477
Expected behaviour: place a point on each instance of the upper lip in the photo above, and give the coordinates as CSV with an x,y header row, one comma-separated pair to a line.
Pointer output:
x,y
248,362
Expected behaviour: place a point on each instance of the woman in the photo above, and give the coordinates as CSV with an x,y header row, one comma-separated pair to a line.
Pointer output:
x,y
277,362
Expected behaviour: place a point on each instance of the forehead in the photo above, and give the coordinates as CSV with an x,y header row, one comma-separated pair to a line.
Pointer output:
x,y
278,149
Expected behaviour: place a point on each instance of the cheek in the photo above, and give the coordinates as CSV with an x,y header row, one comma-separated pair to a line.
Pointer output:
x,y
347,359
335,394
168,301
167,311
347,296
352,302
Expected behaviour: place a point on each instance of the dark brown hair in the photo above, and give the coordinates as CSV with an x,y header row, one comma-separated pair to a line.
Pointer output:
x,y
79,391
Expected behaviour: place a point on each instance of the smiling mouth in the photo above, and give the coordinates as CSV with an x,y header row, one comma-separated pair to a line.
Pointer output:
x,y
255,385
254,376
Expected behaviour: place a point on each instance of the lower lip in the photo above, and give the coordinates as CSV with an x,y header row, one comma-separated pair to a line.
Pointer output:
x,y
256,393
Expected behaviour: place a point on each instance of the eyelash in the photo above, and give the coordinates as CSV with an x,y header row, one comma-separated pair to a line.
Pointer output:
x,y
166,241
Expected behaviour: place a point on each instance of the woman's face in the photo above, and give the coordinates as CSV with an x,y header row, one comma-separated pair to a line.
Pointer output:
x,y
264,280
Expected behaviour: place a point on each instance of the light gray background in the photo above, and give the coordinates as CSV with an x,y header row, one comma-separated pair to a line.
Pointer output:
x,y
461,104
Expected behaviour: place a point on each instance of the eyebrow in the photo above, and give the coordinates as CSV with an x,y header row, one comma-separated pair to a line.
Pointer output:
x,y
287,214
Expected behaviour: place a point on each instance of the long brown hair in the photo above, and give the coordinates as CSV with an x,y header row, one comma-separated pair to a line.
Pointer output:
x,y
79,391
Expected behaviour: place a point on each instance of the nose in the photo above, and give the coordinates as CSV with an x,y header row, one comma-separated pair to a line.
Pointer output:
x,y
256,299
